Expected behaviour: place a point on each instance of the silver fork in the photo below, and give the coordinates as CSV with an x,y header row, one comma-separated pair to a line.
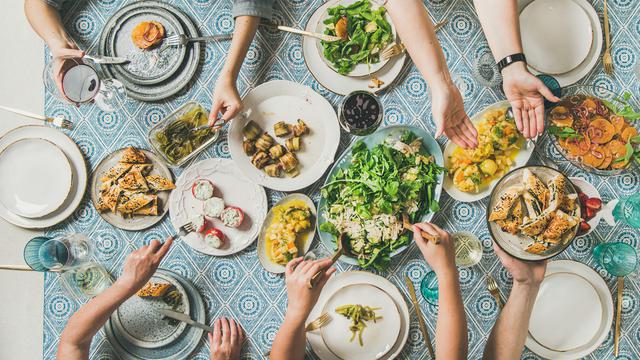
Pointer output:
x,y
316,324
492,286
58,120
183,40
185,230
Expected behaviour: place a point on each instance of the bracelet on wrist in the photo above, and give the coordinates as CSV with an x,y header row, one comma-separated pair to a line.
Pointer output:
x,y
510,60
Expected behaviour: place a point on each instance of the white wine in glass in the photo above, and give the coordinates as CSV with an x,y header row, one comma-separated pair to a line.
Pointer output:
x,y
468,248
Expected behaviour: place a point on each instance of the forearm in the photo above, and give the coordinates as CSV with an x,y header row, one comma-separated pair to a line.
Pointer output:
x,y
451,328
506,340
243,33
419,37
85,323
290,341
499,19
46,22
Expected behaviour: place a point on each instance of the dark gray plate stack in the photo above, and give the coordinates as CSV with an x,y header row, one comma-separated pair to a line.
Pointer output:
x,y
159,72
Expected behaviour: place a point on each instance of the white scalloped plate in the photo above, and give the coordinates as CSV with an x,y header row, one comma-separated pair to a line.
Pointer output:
x,y
234,189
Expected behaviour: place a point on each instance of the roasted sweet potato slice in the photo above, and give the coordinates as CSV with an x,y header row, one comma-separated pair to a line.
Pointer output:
x,y
341,28
576,147
608,158
618,123
628,133
617,148
595,157
601,131
590,104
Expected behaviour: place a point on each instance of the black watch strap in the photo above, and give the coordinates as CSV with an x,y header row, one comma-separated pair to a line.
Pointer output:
x,y
510,60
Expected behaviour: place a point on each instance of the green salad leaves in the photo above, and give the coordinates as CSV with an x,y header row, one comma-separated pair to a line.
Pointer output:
x,y
366,200
365,33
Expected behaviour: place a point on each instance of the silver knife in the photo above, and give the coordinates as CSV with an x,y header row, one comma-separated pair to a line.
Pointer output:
x,y
184,318
106,59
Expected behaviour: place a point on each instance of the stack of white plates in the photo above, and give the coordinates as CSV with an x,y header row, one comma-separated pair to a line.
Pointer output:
x,y
383,339
562,38
572,314
42,176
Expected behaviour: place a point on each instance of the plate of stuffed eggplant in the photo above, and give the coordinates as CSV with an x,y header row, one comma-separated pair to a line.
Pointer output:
x,y
287,136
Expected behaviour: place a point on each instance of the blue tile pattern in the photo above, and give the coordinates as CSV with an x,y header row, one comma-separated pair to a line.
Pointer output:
x,y
237,286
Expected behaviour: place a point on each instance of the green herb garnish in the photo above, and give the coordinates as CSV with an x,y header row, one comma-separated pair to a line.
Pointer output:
x,y
564,132
622,107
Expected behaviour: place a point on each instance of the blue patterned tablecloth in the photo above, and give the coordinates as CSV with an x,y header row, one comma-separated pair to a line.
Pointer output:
x,y
237,286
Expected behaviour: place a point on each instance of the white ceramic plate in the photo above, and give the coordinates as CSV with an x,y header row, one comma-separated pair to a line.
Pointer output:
x,y
35,177
282,100
345,279
556,35
329,78
79,171
521,159
306,238
572,314
378,338
139,321
574,75
234,189
135,223
360,69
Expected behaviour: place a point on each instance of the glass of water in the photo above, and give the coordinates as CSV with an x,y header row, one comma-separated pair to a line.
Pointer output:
x,y
43,253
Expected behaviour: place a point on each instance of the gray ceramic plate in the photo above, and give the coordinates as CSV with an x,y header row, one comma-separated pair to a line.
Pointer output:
x,y
138,320
149,66
389,132
178,80
135,223
180,348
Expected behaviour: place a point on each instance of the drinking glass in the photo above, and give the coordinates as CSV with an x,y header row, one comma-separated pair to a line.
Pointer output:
x,y
627,210
468,248
318,253
618,258
43,253
86,280
485,71
553,85
429,288
77,81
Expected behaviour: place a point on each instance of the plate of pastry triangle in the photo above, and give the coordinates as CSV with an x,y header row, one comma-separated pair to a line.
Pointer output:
x,y
130,188
534,213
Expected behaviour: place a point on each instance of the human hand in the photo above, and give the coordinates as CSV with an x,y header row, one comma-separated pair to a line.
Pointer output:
x,y
141,264
526,93
450,118
226,101
440,257
65,56
298,273
523,272
226,339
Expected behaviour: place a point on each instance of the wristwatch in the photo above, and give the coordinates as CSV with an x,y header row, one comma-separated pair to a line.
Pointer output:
x,y
510,60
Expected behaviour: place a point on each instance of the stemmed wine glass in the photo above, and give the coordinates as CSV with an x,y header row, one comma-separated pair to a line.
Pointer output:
x,y
77,81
